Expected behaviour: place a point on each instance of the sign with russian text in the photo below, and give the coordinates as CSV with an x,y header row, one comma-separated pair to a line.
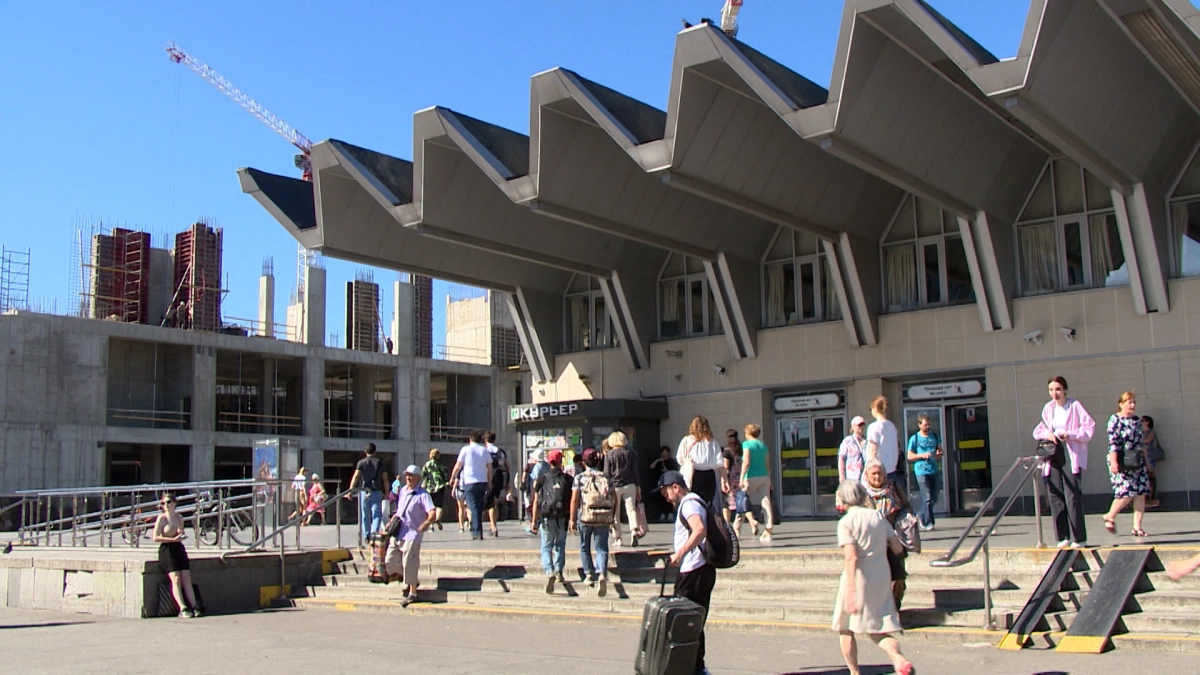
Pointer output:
x,y
536,412
803,402
928,392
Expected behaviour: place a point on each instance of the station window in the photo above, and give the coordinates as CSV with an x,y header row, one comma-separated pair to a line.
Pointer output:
x,y
924,261
1067,235
587,323
686,307
1185,222
796,285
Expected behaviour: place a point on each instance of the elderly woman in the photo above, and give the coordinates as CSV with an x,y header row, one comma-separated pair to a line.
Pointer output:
x,y
864,600
888,498
1065,421
1128,484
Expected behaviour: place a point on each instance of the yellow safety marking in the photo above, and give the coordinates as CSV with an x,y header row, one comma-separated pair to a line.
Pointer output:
x,y
827,452
268,593
973,466
796,473
972,445
827,473
346,607
792,454
1014,642
1082,644
332,556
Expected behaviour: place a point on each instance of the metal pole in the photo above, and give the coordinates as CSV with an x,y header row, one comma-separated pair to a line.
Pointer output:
x,y
988,622
74,519
1037,506
337,508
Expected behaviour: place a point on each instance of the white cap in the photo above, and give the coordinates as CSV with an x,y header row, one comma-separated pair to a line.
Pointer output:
x,y
412,469
857,421
538,455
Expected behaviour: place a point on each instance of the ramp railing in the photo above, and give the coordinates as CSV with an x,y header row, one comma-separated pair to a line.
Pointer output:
x,y
1014,479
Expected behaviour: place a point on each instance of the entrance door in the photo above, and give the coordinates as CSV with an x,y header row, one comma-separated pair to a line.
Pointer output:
x,y
911,414
973,454
795,465
828,433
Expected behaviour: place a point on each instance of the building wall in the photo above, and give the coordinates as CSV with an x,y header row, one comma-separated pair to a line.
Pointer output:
x,y
469,330
1157,355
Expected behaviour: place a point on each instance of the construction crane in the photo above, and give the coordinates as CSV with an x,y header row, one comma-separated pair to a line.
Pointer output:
x,y
303,160
729,18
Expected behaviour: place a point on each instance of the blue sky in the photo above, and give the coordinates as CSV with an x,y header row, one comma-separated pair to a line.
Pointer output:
x,y
100,124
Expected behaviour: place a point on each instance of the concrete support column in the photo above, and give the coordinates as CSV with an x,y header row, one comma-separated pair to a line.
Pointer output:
x,y
266,387
404,314
402,404
362,406
859,395
312,416
266,305
204,388
314,307
202,460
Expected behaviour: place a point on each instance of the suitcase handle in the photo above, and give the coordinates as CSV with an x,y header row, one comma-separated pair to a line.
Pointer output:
x,y
662,590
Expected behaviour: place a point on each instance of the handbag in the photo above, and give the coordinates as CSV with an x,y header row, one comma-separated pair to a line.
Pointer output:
x,y
688,468
908,530
1155,452
1131,459
1052,452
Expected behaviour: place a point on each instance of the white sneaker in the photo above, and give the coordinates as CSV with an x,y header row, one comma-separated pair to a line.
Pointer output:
x,y
1065,543
1078,544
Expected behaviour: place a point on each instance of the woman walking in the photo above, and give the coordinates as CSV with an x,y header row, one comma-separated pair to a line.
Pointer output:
x,y
756,481
864,601
1065,422
1154,455
888,498
316,497
173,557
434,480
700,458
1129,477
734,506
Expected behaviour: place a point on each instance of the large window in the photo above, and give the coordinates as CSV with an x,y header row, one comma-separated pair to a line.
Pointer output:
x,y
587,323
686,307
1185,222
1067,235
796,284
924,262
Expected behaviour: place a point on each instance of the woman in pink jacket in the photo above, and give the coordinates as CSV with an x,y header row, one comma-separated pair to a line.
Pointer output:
x,y
1064,419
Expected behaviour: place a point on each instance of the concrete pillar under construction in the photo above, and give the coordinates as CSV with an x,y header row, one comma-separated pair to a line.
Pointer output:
x,y
204,388
312,416
403,317
314,306
363,388
266,305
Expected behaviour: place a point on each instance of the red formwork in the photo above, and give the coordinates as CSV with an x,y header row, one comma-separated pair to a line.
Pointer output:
x,y
196,304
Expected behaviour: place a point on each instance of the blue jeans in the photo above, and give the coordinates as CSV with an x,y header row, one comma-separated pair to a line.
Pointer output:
x,y
593,543
370,512
554,544
475,494
930,487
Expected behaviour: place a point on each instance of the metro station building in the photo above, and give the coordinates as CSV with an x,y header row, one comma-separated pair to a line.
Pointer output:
x,y
942,226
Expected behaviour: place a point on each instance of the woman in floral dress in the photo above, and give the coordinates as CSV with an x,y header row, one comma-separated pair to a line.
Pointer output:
x,y
1129,485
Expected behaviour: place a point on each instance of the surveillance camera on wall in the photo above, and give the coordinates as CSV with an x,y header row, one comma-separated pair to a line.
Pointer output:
x,y
720,370
1034,337
585,379
1068,333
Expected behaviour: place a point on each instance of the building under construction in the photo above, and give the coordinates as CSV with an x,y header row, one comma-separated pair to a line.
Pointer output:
x,y
196,304
363,327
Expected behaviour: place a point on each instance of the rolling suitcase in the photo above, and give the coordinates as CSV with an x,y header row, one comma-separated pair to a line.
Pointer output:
x,y
377,569
671,630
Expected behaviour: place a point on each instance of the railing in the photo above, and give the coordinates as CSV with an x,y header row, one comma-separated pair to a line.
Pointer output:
x,y
258,328
341,429
445,433
1024,467
254,423
153,419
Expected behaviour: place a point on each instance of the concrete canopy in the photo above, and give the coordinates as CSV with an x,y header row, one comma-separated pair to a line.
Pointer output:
x,y
464,167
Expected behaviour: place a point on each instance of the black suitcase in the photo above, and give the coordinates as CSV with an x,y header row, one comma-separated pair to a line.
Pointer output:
x,y
670,639
166,599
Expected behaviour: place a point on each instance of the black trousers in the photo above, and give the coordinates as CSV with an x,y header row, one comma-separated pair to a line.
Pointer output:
x,y
697,586
1066,503
704,484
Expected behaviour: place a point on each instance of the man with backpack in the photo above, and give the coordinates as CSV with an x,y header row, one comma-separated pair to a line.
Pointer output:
x,y
370,476
593,511
551,506
498,490
696,574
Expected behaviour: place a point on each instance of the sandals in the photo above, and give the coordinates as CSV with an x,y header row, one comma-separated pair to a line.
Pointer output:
x,y
1110,525
1139,532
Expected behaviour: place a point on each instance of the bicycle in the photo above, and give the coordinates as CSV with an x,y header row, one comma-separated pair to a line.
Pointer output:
x,y
238,523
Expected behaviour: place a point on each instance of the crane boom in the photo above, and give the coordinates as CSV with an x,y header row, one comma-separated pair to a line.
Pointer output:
x,y
268,118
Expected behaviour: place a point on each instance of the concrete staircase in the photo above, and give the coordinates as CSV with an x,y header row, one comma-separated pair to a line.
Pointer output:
x,y
790,590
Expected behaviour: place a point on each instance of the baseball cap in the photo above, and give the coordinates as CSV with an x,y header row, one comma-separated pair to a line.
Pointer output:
x,y
412,469
538,455
589,455
671,478
554,456
857,421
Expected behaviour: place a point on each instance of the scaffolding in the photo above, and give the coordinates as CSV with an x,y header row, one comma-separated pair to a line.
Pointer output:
x,y
196,303
110,273
423,319
363,323
14,279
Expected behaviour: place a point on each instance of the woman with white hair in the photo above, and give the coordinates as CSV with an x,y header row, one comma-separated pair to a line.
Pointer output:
x,y
864,602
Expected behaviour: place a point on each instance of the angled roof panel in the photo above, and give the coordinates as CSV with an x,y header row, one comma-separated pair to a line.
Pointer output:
x,y
644,121
803,92
293,198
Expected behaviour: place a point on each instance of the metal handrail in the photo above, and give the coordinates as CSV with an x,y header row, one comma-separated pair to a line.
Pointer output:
x,y
291,523
1030,465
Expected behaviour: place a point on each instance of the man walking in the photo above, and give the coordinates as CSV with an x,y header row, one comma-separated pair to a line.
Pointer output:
x,y
473,471
696,575
551,507
372,480
498,490
415,511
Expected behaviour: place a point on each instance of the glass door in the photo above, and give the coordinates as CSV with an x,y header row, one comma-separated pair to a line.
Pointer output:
x,y
973,455
911,415
828,433
795,486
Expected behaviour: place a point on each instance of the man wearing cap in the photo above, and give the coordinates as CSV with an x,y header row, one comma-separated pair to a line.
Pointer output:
x,y
852,452
696,576
551,508
415,513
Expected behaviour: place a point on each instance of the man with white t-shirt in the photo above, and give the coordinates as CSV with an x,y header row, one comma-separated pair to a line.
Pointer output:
x,y
696,576
473,470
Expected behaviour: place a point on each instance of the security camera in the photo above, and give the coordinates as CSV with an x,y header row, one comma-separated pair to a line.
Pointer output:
x,y
1068,333
720,370
1034,337
584,379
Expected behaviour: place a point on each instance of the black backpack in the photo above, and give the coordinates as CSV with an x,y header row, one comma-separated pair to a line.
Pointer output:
x,y
554,497
721,547
370,474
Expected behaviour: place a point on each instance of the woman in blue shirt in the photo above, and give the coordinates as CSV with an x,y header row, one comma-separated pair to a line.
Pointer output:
x,y
924,450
